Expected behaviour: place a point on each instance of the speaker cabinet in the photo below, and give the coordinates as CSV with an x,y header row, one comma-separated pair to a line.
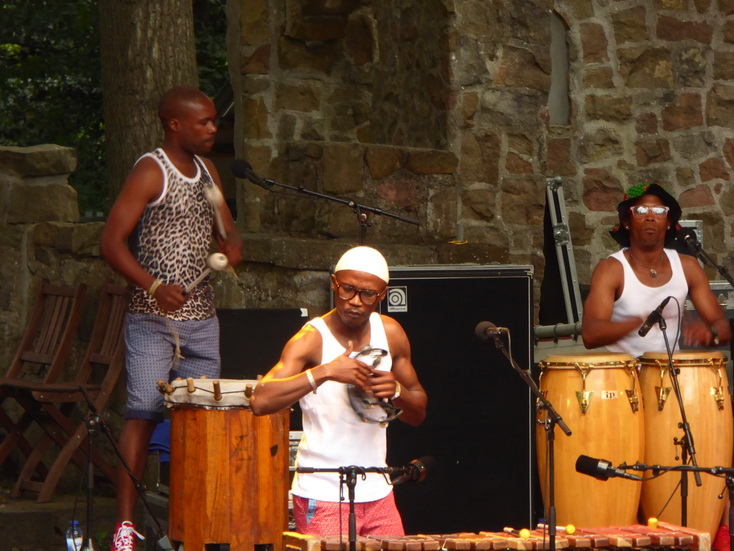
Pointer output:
x,y
479,427
251,339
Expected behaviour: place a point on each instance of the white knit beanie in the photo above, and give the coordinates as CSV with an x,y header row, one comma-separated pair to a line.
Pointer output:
x,y
364,259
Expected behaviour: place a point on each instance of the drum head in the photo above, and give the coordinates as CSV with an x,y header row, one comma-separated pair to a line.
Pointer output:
x,y
702,357
600,360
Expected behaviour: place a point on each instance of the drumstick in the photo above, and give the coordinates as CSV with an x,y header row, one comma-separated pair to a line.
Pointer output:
x,y
216,261
215,197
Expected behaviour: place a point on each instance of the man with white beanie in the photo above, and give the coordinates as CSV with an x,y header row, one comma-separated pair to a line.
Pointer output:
x,y
318,368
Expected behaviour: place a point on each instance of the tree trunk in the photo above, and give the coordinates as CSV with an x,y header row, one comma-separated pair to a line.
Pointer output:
x,y
146,47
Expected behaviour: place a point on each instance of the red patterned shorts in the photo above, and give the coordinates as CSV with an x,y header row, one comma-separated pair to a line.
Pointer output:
x,y
322,518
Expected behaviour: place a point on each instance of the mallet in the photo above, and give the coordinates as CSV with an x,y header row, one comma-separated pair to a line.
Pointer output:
x,y
215,261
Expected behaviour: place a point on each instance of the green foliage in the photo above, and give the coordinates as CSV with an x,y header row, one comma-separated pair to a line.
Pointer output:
x,y
210,28
50,83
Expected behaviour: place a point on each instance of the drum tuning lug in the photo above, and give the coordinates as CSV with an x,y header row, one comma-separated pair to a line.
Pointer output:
x,y
190,386
634,400
584,399
663,394
248,391
718,394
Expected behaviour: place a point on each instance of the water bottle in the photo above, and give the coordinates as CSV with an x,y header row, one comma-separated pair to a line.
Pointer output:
x,y
74,537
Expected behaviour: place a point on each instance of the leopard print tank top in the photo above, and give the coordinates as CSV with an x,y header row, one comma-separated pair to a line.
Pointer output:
x,y
172,238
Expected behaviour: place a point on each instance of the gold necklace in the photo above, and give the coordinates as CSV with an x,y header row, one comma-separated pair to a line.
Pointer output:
x,y
653,272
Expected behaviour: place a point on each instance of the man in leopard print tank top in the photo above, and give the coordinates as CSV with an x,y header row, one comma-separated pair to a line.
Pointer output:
x,y
163,206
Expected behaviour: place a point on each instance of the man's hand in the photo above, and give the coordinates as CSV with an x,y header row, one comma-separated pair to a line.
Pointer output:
x,y
169,297
382,384
344,369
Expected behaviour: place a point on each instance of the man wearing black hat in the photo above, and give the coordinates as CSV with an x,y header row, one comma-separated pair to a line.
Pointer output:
x,y
630,284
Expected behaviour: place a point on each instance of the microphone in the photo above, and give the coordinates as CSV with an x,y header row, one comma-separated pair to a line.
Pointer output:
x,y
601,469
486,330
242,169
688,236
415,471
653,318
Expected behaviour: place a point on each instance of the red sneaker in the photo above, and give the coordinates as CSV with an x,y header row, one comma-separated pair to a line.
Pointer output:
x,y
721,541
124,540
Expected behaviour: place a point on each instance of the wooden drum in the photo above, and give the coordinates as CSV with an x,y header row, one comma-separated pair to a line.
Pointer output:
x,y
597,397
229,468
705,391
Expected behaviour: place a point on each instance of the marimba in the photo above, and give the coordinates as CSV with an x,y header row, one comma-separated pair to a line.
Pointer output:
x,y
665,536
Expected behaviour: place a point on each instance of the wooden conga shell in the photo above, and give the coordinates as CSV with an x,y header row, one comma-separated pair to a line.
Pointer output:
x,y
610,429
228,477
701,378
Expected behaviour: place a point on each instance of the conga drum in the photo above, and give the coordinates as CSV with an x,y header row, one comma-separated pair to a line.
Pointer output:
x,y
229,469
705,392
597,396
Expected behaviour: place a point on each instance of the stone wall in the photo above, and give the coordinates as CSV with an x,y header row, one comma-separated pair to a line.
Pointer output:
x,y
439,110
41,237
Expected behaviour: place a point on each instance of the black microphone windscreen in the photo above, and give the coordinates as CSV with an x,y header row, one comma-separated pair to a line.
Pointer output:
x,y
481,330
241,168
586,465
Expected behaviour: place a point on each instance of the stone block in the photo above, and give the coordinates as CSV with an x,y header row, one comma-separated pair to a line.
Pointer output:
x,y
600,144
672,29
523,201
360,39
300,96
723,65
515,164
558,158
383,160
726,7
727,31
646,67
602,191
687,113
37,160
256,118
652,151
691,66
630,25
431,162
343,168
720,106
254,22
608,108
42,200
479,204
598,77
480,156
594,44
713,168
647,123
698,196
317,57
520,67
441,214
257,62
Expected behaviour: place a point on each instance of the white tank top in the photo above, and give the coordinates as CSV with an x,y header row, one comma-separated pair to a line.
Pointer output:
x,y
638,300
334,435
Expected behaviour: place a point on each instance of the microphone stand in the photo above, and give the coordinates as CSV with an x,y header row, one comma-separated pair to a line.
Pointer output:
x,y
348,477
91,423
162,540
552,420
359,209
697,249
727,471
686,443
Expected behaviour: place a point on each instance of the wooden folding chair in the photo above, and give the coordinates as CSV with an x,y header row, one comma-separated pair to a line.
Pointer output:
x,y
42,353
59,408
